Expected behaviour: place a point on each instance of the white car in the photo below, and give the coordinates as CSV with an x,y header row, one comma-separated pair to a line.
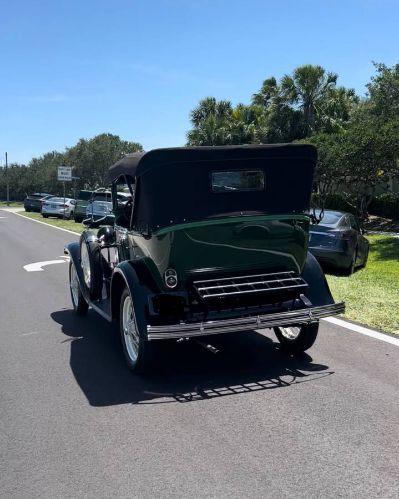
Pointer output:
x,y
58,207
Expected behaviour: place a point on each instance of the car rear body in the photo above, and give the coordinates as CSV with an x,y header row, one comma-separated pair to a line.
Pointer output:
x,y
337,239
58,207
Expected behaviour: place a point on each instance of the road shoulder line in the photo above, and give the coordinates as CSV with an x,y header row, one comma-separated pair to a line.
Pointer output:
x,y
44,223
363,330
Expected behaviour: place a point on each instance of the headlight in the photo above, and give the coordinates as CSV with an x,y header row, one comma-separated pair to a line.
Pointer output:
x,y
170,278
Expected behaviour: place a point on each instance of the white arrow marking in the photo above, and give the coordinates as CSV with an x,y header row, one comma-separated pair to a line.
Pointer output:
x,y
38,266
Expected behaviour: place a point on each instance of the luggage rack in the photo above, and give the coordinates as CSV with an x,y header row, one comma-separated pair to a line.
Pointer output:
x,y
239,285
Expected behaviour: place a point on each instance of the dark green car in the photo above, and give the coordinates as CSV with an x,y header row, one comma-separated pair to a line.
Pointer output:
x,y
212,240
81,205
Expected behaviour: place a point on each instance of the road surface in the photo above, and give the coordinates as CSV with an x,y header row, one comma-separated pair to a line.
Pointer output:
x,y
246,422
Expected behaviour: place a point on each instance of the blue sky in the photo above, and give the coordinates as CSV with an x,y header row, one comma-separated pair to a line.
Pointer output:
x,y
72,69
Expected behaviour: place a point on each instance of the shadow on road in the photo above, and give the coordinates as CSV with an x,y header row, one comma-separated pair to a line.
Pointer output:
x,y
246,362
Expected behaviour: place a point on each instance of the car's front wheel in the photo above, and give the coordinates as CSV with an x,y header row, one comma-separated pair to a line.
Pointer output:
x,y
137,349
297,339
44,215
79,303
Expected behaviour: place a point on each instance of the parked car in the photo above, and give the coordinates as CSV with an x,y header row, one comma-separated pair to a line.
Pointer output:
x,y
100,206
213,241
81,204
33,202
58,207
337,240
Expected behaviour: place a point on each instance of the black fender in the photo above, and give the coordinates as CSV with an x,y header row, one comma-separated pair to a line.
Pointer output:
x,y
73,250
318,291
125,275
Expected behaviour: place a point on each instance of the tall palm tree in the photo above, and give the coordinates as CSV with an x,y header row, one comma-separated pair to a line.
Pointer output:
x,y
307,88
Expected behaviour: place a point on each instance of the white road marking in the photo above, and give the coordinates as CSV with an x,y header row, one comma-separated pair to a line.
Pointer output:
x,y
38,266
363,330
46,224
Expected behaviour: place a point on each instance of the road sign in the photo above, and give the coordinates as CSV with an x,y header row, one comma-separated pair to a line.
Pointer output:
x,y
65,173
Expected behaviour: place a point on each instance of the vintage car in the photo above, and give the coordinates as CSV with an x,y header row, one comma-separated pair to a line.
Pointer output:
x,y
212,240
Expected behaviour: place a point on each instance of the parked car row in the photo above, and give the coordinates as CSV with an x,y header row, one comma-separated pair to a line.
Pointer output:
x,y
94,205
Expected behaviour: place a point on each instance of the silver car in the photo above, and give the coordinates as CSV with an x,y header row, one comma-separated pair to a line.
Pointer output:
x,y
58,207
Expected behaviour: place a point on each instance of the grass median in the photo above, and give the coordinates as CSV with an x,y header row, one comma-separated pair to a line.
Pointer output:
x,y
372,294
56,222
11,204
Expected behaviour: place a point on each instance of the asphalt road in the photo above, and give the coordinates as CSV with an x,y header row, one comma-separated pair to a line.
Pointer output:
x,y
246,422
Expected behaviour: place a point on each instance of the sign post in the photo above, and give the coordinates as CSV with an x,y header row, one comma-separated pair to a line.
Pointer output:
x,y
64,175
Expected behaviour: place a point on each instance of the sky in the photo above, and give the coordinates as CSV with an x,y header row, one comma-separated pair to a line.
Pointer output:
x,y
73,69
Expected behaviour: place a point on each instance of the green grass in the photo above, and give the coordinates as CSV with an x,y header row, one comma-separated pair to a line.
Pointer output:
x,y
13,204
372,294
57,222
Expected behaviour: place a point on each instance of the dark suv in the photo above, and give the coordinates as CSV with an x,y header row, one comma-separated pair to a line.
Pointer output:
x,y
33,202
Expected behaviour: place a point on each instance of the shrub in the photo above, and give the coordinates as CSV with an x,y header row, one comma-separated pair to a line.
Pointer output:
x,y
334,202
385,205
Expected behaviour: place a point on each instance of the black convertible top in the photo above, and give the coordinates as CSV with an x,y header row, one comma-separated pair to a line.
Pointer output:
x,y
137,163
174,185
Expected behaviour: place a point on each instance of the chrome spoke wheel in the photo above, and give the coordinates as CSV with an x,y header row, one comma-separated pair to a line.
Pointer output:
x,y
74,285
85,262
290,333
129,328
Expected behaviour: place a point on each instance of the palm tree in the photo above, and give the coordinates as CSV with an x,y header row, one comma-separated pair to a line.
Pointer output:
x,y
307,88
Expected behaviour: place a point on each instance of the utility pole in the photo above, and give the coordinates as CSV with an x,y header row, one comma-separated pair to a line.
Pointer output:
x,y
8,183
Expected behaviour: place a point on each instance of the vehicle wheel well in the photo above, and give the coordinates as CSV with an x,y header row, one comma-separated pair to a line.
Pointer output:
x,y
117,287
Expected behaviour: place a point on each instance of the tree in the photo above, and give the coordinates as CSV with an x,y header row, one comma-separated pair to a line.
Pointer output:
x,y
210,120
384,91
92,158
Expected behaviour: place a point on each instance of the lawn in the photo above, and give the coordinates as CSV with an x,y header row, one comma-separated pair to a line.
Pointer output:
x,y
372,294
13,204
57,222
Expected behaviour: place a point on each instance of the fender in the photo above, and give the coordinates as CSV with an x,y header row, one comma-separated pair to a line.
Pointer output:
x,y
318,291
125,274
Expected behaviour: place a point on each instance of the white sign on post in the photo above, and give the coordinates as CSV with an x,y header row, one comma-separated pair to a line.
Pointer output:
x,y
65,173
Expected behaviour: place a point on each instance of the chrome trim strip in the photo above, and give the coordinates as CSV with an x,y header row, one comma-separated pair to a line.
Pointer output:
x,y
302,316
290,272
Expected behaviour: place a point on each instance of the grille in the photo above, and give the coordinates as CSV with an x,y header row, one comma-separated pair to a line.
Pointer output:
x,y
243,285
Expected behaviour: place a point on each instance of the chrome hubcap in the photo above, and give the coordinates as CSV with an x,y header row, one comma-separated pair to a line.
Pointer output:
x,y
85,264
129,327
74,284
291,333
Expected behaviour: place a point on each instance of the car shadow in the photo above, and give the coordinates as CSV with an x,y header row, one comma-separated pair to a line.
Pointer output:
x,y
185,372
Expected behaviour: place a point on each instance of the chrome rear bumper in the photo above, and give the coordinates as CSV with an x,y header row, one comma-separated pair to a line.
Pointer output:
x,y
302,316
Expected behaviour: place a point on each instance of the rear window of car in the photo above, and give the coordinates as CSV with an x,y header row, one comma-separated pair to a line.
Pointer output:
x,y
84,195
102,196
329,218
238,180
56,200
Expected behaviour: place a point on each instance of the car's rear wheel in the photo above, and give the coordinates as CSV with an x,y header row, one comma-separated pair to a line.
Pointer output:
x,y
352,266
138,351
297,339
90,260
79,303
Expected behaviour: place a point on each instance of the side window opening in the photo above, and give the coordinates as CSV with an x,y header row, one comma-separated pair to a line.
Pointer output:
x,y
122,201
